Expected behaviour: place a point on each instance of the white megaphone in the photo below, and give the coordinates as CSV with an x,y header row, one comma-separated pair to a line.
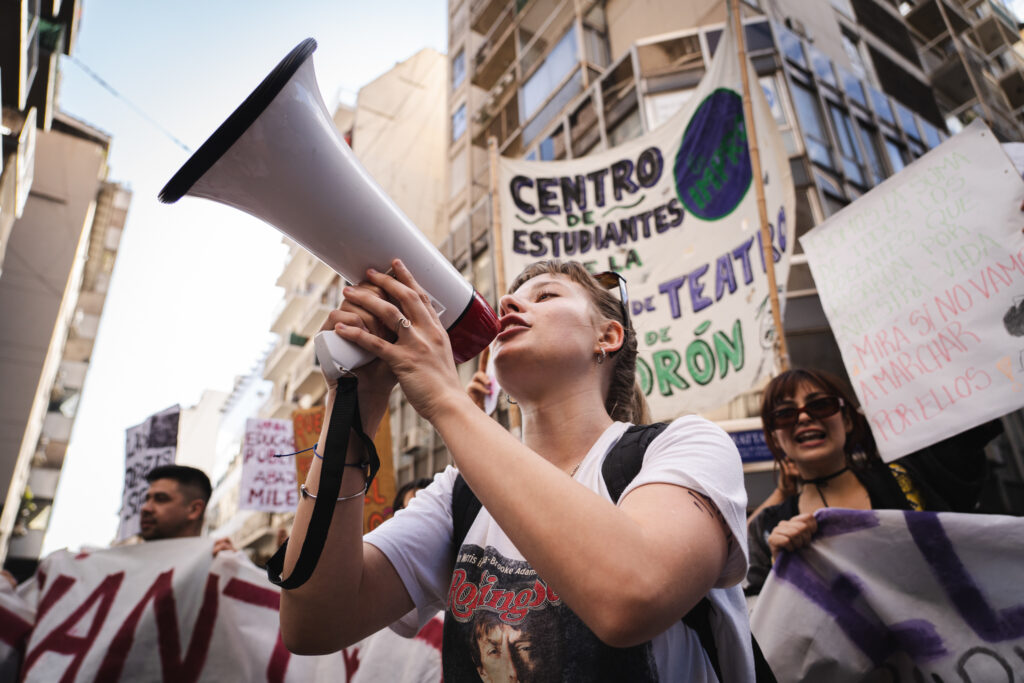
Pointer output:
x,y
280,158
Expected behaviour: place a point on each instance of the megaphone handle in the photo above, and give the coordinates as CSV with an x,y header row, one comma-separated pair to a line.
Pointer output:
x,y
337,355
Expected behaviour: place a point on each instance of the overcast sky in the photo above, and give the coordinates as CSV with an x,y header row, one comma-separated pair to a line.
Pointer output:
x,y
193,295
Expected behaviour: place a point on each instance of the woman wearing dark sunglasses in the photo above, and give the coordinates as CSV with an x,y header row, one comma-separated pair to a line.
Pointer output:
x,y
548,543
813,424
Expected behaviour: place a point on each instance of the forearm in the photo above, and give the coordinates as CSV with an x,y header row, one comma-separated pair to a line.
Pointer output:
x,y
317,615
624,595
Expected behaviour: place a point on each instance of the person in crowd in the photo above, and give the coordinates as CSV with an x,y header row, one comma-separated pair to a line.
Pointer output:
x,y
175,505
617,578
815,429
407,491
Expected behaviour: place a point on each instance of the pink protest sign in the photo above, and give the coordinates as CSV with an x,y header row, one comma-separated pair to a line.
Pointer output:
x,y
268,482
922,280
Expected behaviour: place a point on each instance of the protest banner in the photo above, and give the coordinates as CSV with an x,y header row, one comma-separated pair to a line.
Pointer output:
x,y
127,613
922,281
377,505
674,211
148,445
159,611
306,426
897,596
268,482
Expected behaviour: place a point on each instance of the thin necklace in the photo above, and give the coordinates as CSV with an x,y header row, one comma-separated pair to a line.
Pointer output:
x,y
573,472
822,482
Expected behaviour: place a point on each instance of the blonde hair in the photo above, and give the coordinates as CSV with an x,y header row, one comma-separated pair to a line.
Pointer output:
x,y
625,401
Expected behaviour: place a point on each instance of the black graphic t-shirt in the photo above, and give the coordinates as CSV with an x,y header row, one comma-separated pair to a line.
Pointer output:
x,y
502,620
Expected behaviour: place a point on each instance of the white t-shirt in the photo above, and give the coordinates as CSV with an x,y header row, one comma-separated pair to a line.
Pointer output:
x,y
499,613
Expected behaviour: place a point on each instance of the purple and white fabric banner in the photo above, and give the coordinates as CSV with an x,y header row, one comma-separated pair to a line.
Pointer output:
x,y
901,596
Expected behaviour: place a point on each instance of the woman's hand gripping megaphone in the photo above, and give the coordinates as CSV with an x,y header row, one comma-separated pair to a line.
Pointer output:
x,y
393,319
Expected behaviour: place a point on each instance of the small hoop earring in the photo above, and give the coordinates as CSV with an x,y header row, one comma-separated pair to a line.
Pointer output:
x,y
511,400
603,356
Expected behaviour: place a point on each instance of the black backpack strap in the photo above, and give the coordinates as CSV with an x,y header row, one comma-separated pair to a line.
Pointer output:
x,y
345,420
699,619
620,467
626,457
465,507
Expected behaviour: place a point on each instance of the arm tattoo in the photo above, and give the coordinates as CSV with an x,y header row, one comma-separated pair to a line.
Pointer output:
x,y
708,507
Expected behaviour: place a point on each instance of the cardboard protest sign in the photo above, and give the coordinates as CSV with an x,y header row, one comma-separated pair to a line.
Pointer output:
x,y
268,482
675,212
897,596
922,280
306,425
147,446
377,506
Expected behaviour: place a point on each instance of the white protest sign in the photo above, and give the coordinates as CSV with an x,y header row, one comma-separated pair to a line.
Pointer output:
x,y
148,445
887,595
268,483
675,212
922,281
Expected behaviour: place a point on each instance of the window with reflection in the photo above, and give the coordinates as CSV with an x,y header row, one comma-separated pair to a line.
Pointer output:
x,y
853,87
811,123
459,122
848,149
790,47
931,134
907,122
552,71
869,141
822,65
897,153
458,69
881,105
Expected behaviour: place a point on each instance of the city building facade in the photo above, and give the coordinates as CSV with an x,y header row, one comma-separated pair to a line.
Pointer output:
x,y
60,258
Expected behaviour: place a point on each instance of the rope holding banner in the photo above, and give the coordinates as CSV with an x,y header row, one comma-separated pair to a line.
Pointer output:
x,y
345,419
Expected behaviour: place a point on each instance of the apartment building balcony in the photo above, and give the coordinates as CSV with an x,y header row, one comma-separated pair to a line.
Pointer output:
x,y
311,318
318,273
306,378
295,302
42,481
995,29
927,21
495,57
298,264
484,13
28,545
279,405
1011,77
280,360
57,426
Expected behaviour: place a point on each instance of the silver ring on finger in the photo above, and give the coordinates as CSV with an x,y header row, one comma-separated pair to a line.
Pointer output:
x,y
402,322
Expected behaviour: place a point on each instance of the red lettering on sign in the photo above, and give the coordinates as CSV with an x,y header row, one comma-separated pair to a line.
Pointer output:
x,y
264,597
168,639
61,640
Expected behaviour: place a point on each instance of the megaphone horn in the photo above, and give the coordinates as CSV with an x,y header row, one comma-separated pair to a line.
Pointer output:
x,y
280,158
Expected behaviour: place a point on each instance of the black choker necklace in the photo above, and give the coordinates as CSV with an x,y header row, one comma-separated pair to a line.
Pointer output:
x,y
822,482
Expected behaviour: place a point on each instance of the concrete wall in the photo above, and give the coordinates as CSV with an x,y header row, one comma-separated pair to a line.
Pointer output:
x,y
401,133
38,288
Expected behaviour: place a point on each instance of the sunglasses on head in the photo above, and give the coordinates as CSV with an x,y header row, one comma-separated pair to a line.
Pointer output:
x,y
609,279
816,408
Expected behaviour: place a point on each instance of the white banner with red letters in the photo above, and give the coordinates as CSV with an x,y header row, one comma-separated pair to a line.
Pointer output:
x,y
897,596
169,611
268,482
675,212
